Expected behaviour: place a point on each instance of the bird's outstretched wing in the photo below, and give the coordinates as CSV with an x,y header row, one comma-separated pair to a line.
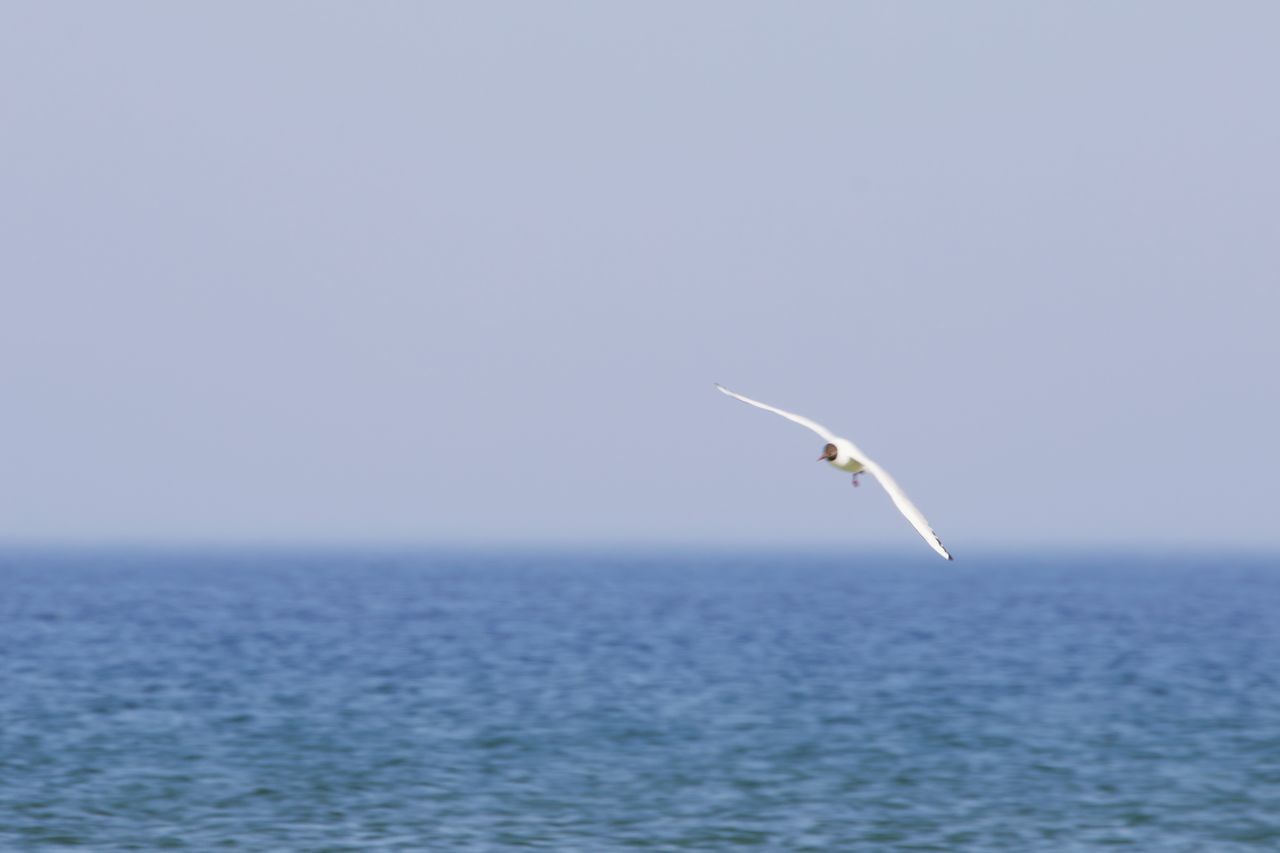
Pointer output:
x,y
906,507
804,422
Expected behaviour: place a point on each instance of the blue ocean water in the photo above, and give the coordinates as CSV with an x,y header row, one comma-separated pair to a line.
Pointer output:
x,y
701,701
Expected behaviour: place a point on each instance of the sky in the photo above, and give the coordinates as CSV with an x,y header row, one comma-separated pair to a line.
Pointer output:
x,y
465,273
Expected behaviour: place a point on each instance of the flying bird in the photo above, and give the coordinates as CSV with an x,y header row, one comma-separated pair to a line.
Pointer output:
x,y
845,455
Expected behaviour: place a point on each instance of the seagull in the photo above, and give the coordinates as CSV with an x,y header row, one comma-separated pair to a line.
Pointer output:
x,y
845,455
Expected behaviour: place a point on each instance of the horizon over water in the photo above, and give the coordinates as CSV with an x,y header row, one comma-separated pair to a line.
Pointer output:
x,y
597,699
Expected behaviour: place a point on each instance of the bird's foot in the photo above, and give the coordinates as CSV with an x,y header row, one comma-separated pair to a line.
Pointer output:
x,y
855,481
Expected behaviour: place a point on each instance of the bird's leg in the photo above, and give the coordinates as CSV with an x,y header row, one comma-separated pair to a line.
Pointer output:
x,y
855,480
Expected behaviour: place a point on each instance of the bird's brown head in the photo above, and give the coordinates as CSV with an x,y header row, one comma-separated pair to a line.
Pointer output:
x,y
828,453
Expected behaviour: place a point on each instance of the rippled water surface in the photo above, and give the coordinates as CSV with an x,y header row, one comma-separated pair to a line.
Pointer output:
x,y
294,701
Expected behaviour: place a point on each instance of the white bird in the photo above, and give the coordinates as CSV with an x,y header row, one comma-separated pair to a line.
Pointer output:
x,y
845,455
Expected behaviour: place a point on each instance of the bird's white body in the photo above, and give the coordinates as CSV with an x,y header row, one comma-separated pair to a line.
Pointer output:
x,y
845,459
849,458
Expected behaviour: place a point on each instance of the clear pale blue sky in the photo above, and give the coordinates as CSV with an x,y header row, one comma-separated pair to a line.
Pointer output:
x,y
442,271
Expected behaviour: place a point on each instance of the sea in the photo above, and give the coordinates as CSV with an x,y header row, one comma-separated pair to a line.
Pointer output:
x,y
279,699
